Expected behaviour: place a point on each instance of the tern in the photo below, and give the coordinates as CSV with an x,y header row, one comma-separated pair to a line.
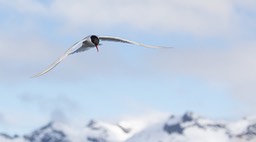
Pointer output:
x,y
89,42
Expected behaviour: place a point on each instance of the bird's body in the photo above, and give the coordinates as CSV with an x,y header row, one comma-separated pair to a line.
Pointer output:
x,y
89,42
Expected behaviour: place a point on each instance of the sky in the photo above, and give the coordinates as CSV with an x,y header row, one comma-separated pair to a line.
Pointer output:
x,y
211,70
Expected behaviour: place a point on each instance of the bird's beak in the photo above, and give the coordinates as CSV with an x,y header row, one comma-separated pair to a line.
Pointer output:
x,y
97,48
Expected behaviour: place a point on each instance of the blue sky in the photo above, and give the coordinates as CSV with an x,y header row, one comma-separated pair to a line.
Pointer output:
x,y
211,70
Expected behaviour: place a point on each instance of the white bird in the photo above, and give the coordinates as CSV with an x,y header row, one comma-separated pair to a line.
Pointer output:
x,y
88,43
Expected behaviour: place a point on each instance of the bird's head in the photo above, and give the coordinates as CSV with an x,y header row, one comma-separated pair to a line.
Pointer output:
x,y
95,40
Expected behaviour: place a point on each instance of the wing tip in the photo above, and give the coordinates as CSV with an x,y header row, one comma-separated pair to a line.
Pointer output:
x,y
38,75
35,76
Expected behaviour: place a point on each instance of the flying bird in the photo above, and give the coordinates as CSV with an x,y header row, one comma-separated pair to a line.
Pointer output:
x,y
89,42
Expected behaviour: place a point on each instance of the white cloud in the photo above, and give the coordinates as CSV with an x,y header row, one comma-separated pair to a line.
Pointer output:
x,y
59,116
23,49
47,103
232,68
2,119
24,6
59,108
248,5
196,17
199,135
18,56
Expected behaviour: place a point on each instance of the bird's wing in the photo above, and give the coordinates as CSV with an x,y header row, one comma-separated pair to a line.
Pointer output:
x,y
71,50
117,39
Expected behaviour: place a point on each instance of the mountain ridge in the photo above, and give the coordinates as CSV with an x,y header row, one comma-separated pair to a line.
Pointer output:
x,y
188,127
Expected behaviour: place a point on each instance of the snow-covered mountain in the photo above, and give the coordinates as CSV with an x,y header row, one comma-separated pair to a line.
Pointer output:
x,y
186,128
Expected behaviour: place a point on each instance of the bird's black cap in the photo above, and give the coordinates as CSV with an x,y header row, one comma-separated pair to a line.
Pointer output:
x,y
95,40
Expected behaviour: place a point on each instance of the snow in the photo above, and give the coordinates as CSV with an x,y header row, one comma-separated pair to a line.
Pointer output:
x,y
149,128
2,139
195,134
238,127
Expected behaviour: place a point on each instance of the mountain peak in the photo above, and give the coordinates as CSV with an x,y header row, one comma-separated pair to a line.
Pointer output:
x,y
189,116
93,125
177,124
48,133
187,127
8,136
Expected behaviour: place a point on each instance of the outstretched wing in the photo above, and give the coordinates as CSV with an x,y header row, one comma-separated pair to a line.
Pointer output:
x,y
73,49
117,39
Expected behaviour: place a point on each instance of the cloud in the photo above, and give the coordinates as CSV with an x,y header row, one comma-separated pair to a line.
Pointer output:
x,y
231,64
18,57
2,119
24,6
56,108
196,17
232,68
47,103
59,115
248,5
23,50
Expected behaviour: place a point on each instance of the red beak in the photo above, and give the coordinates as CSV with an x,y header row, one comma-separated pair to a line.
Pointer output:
x,y
97,48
